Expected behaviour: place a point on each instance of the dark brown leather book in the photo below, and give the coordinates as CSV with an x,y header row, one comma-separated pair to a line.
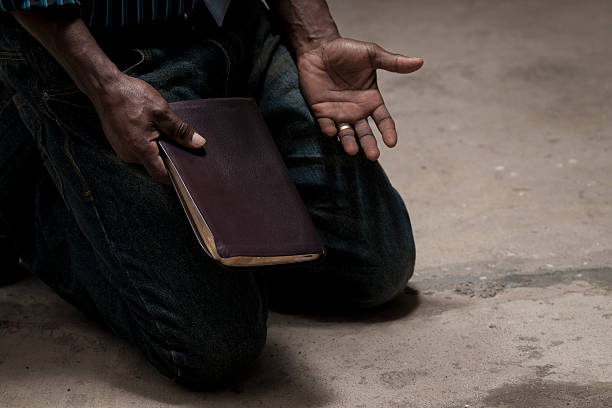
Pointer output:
x,y
236,191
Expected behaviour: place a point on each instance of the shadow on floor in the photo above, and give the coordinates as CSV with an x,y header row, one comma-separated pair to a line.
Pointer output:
x,y
47,344
44,342
401,307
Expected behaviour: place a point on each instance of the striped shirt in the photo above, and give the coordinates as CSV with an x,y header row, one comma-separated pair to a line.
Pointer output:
x,y
118,13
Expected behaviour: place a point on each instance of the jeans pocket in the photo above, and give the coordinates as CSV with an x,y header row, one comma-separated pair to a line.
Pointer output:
x,y
228,63
74,113
9,50
6,55
62,104
32,121
130,67
188,70
129,60
68,104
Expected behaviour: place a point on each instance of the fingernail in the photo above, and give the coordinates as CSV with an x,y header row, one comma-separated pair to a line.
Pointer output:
x,y
198,140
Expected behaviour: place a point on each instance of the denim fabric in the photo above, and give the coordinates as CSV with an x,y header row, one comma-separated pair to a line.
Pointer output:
x,y
17,176
117,245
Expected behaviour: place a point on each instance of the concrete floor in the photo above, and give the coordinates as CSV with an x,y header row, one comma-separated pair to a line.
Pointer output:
x,y
504,162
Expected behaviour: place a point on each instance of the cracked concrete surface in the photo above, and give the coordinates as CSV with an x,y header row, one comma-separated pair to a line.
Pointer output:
x,y
504,162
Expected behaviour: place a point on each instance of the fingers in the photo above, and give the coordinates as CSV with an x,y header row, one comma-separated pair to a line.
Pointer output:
x,y
386,125
147,154
383,59
154,164
327,126
346,136
339,111
367,139
173,126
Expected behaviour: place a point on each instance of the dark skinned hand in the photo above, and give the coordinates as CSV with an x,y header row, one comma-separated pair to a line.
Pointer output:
x,y
134,115
338,80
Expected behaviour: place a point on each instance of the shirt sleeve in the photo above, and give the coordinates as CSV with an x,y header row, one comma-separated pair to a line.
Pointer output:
x,y
12,5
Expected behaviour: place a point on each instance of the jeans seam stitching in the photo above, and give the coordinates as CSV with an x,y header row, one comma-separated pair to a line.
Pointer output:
x,y
13,54
4,105
112,251
49,163
86,191
142,59
35,67
228,64
51,93
90,198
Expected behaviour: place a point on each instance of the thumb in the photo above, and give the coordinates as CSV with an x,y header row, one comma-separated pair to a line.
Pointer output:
x,y
401,64
174,127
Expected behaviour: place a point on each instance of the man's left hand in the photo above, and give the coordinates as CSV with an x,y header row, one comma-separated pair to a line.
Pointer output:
x,y
338,80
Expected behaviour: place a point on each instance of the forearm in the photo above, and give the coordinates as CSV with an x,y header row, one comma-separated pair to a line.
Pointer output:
x,y
69,41
308,23
133,115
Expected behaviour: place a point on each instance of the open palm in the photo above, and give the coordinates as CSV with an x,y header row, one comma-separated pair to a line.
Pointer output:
x,y
338,80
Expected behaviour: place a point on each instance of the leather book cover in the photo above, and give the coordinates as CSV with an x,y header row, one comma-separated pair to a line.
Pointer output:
x,y
237,191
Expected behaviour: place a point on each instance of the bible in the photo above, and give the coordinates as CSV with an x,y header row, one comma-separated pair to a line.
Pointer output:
x,y
236,191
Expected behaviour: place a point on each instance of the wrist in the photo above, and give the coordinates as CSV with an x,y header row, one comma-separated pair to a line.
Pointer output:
x,y
308,23
312,42
90,69
98,82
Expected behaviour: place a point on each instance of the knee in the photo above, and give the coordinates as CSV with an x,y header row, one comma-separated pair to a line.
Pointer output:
x,y
382,283
341,284
216,360
390,261
386,276
218,365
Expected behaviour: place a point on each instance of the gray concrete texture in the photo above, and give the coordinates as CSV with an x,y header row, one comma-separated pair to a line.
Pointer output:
x,y
504,162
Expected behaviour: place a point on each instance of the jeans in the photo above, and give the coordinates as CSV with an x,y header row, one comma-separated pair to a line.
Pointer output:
x,y
117,245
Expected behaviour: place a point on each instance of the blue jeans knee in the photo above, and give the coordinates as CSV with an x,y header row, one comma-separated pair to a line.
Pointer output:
x,y
213,362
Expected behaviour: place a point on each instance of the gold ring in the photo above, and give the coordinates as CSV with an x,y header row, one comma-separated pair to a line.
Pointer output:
x,y
344,126
341,127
